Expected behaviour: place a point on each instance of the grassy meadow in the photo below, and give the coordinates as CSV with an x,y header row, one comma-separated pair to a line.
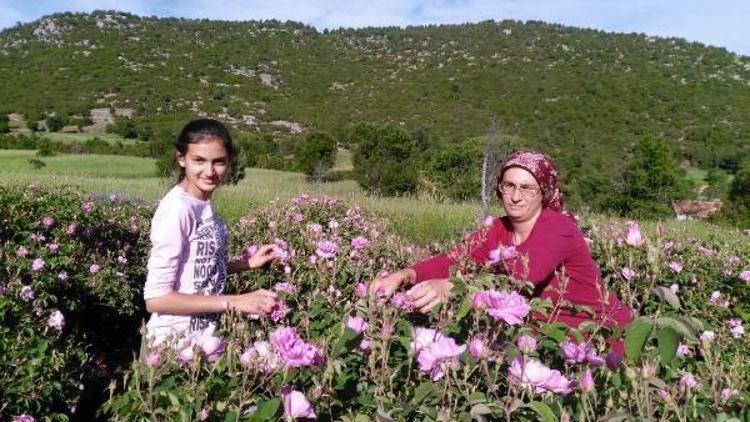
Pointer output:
x,y
419,219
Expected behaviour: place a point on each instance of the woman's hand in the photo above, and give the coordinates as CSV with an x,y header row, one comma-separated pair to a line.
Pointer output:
x,y
259,302
385,286
429,293
263,256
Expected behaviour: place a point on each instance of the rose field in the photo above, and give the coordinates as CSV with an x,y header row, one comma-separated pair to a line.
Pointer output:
x,y
71,314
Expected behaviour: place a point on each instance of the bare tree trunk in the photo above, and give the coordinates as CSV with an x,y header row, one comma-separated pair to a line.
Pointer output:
x,y
496,147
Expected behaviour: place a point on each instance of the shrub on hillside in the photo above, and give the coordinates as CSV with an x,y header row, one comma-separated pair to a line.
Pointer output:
x,y
456,171
385,160
316,155
652,180
54,123
4,124
71,276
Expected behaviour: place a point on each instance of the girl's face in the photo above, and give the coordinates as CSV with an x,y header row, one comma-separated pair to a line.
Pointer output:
x,y
206,163
522,197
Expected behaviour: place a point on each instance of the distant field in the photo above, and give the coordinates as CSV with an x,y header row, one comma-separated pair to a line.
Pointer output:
x,y
75,137
421,220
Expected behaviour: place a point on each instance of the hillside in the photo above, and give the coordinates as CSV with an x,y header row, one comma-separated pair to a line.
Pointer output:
x,y
582,95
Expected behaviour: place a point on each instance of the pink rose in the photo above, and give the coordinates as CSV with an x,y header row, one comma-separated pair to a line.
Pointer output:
x,y
434,357
296,404
326,249
94,268
539,378
360,290
154,359
526,344
477,348
675,267
261,356
212,347
745,276
37,264
511,308
423,337
48,221
292,350
27,293
357,324
56,320
627,273
587,381
359,243
633,236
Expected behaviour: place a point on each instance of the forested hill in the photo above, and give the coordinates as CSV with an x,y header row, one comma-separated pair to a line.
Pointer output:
x,y
573,92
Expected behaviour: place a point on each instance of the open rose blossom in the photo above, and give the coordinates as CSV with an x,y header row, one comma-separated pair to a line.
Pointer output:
x,y
326,249
296,404
56,320
359,242
434,358
580,353
212,347
292,350
356,324
24,418
261,355
539,378
423,337
511,308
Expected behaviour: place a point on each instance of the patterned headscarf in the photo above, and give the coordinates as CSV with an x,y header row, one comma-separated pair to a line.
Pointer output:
x,y
544,171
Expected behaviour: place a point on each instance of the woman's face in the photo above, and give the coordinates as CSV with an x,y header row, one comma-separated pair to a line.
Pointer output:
x,y
206,163
522,197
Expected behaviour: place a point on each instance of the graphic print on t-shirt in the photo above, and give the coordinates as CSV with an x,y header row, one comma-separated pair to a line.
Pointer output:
x,y
209,272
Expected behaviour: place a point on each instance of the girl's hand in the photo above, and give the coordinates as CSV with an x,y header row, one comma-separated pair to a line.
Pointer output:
x,y
263,256
387,285
429,293
258,302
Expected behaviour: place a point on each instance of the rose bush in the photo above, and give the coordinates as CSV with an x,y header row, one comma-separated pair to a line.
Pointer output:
x,y
338,353
71,271
331,351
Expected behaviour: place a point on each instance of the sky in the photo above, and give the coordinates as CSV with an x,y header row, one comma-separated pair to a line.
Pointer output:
x,y
721,23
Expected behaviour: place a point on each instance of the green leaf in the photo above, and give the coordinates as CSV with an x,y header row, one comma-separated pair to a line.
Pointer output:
x,y
667,295
267,410
636,336
554,331
668,340
477,397
424,390
680,325
230,416
543,411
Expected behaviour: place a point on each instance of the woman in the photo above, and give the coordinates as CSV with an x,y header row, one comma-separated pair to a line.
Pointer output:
x,y
550,248
188,262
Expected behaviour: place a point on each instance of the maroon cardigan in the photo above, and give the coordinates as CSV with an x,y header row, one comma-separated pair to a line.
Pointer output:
x,y
555,243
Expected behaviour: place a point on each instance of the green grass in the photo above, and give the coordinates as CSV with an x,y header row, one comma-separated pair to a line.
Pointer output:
x,y
68,137
419,219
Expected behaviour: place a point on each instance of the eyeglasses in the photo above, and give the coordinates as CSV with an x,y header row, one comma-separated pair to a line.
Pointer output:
x,y
527,191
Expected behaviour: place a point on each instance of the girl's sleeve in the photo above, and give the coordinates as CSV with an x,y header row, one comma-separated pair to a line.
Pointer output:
x,y
169,230
478,245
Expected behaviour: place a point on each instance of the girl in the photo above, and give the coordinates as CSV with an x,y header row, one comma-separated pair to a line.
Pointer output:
x,y
188,263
